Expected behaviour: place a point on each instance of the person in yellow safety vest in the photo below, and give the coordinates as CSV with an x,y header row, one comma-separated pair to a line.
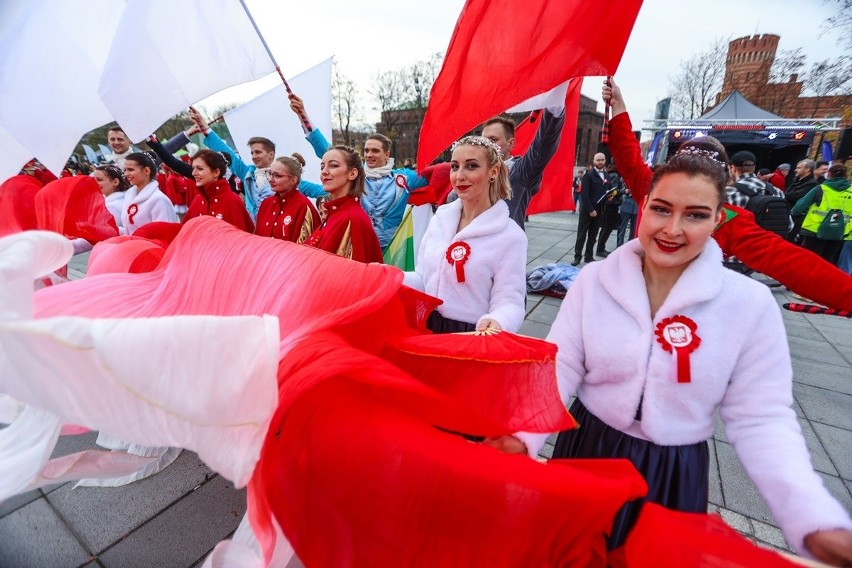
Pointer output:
x,y
828,222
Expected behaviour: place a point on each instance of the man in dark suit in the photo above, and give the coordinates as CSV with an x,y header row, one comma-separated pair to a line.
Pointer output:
x,y
593,187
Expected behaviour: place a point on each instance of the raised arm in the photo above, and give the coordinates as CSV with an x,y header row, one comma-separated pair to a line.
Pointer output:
x,y
800,270
178,166
313,136
212,141
625,149
528,169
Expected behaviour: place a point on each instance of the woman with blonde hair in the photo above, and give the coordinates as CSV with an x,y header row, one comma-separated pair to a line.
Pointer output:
x,y
286,214
473,256
346,229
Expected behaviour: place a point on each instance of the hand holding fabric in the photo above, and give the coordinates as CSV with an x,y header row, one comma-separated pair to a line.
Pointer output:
x,y
833,547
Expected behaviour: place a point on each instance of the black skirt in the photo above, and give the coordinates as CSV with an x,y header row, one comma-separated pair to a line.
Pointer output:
x,y
677,476
439,324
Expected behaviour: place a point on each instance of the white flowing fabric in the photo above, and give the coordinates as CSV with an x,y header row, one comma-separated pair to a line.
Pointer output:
x,y
102,374
243,550
104,60
231,53
269,115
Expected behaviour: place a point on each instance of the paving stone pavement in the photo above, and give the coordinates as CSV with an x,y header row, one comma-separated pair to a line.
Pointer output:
x,y
176,517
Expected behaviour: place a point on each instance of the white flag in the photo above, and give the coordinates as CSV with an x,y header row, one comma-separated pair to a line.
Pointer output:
x,y
269,115
50,67
168,55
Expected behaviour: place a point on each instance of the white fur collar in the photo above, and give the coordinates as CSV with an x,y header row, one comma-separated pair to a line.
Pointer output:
x,y
621,276
490,221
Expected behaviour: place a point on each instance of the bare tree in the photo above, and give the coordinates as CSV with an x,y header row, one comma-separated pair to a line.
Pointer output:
x,y
419,80
787,65
699,80
841,21
343,94
829,78
390,92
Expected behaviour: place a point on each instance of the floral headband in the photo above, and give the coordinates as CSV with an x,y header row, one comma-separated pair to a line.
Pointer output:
x,y
478,141
114,170
702,153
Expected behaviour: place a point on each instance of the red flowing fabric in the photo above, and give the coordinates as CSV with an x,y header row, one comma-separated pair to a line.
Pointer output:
x,y
356,474
17,204
663,537
356,467
506,376
160,232
124,254
75,207
503,53
439,186
555,193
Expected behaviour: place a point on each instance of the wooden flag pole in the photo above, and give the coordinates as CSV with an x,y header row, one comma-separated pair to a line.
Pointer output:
x,y
302,116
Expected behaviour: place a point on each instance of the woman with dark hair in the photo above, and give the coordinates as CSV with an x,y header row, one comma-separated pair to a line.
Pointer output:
x,y
286,214
668,303
737,234
143,202
473,256
215,197
111,180
346,230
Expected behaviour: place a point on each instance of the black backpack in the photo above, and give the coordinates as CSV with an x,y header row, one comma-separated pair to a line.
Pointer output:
x,y
771,212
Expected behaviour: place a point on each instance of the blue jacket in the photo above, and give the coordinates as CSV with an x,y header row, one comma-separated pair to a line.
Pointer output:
x,y
254,195
385,198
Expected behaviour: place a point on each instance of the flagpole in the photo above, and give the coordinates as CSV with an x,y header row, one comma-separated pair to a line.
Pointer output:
x,y
814,309
605,127
302,116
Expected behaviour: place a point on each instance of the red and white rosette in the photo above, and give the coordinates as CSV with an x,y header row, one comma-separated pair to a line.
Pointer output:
x,y
401,182
678,335
457,255
131,212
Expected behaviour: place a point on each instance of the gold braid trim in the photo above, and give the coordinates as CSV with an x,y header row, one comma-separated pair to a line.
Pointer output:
x,y
307,228
345,247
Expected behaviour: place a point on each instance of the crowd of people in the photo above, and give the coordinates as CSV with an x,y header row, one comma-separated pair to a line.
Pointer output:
x,y
662,296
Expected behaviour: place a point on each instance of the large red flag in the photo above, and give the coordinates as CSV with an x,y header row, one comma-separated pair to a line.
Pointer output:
x,y
503,53
555,193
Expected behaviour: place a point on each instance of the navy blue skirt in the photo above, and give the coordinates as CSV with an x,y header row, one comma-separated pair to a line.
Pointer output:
x,y
439,324
677,476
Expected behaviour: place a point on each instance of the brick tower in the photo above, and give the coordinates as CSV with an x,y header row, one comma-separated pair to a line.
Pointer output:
x,y
747,65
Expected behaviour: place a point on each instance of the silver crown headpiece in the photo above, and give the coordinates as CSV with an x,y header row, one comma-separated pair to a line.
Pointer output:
x,y
701,152
478,141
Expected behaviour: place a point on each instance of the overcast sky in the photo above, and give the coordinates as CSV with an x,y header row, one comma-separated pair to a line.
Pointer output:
x,y
368,37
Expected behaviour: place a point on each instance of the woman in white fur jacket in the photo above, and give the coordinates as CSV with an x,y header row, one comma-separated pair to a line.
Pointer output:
x,y
473,256
144,202
658,336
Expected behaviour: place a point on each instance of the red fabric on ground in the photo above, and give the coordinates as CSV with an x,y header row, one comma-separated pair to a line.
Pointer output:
x,y
519,50
663,537
75,207
17,204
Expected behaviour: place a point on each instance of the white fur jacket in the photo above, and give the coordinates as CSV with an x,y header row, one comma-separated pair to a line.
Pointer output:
x,y
608,356
494,272
144,207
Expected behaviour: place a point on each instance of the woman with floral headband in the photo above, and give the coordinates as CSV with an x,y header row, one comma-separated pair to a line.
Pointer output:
x,y
473,256
346,230
668,303
144,202
111,180
737,234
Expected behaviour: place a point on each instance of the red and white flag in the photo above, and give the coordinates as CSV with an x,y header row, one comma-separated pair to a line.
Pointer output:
x,y
503,53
